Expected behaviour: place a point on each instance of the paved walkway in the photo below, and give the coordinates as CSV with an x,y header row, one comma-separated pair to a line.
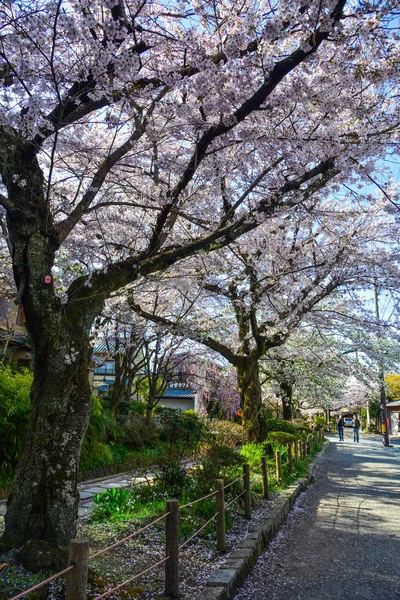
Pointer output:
x,y
342,539
87,489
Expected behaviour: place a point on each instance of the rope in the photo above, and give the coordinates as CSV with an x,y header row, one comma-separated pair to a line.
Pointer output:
x,y
198,531
232,482
199,500
118,587
127,538
234,500
39,585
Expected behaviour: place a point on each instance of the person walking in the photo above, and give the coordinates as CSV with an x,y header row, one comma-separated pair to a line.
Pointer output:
x,y
356,428
340,428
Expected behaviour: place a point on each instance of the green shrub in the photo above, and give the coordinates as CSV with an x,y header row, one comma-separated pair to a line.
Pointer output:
x,y
320,422
281,437
183,432
303,430
138,407
14,415
227,433
110,503
96,451
252,454
216,463
171,477
279,425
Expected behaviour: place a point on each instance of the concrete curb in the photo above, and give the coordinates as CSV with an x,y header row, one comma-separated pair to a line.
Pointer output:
x,y
224,581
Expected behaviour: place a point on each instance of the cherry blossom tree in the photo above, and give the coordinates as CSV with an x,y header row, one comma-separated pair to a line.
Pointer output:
x,y
133,135
247,302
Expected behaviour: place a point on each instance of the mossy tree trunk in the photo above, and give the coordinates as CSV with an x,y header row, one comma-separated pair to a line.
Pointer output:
x,y
287,399
250,396
42,508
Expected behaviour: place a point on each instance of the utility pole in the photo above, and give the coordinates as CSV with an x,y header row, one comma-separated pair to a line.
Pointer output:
x,y
381,376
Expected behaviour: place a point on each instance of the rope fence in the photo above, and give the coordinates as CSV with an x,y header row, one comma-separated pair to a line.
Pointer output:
x,y
121,585
79,557
234,500
42,583
129,537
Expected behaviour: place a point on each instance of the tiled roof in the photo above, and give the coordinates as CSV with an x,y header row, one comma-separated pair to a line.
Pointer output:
x,y
106,347
15,338
177,393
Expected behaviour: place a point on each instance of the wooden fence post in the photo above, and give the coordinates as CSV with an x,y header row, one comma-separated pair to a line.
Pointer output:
x,y
77,578
300,448
172,549
247,495
264,472
305,448
289,457
296,451
220,509
278,460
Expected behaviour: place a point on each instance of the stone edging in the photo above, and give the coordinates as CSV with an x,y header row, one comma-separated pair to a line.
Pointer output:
x,y
224,581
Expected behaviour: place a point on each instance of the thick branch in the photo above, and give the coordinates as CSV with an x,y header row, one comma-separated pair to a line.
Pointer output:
x,y
206,340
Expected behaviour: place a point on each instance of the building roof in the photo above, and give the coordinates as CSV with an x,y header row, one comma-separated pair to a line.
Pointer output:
x,y
15,338
106,347
394,403
178,393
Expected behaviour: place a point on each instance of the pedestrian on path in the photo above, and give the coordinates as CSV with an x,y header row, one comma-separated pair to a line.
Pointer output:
x,y
340,428
356,428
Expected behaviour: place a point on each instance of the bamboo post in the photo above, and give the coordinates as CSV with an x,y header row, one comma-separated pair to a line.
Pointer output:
x,y
172,549
296,451
289,457
247,495
220,510
77,578
264,472
278,460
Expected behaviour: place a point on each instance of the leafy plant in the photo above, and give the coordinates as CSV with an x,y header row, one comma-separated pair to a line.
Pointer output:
x,y
279,425
227,433
281,437
14,414
110,503
172,477
96,450
182,432
252,454
216,463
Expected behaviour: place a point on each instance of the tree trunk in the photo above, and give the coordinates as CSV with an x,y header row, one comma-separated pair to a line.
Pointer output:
x,y
287,400
250,396
42,508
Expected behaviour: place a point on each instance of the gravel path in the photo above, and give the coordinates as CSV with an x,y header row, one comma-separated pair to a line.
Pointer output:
x,y
342,539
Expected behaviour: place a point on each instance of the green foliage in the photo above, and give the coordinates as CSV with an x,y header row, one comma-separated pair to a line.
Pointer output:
x,y
279,425
14,415
303,431
281,437
96,450
182,431
111,503
171,476
216,463
252,454
320,422
227,433
138,407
